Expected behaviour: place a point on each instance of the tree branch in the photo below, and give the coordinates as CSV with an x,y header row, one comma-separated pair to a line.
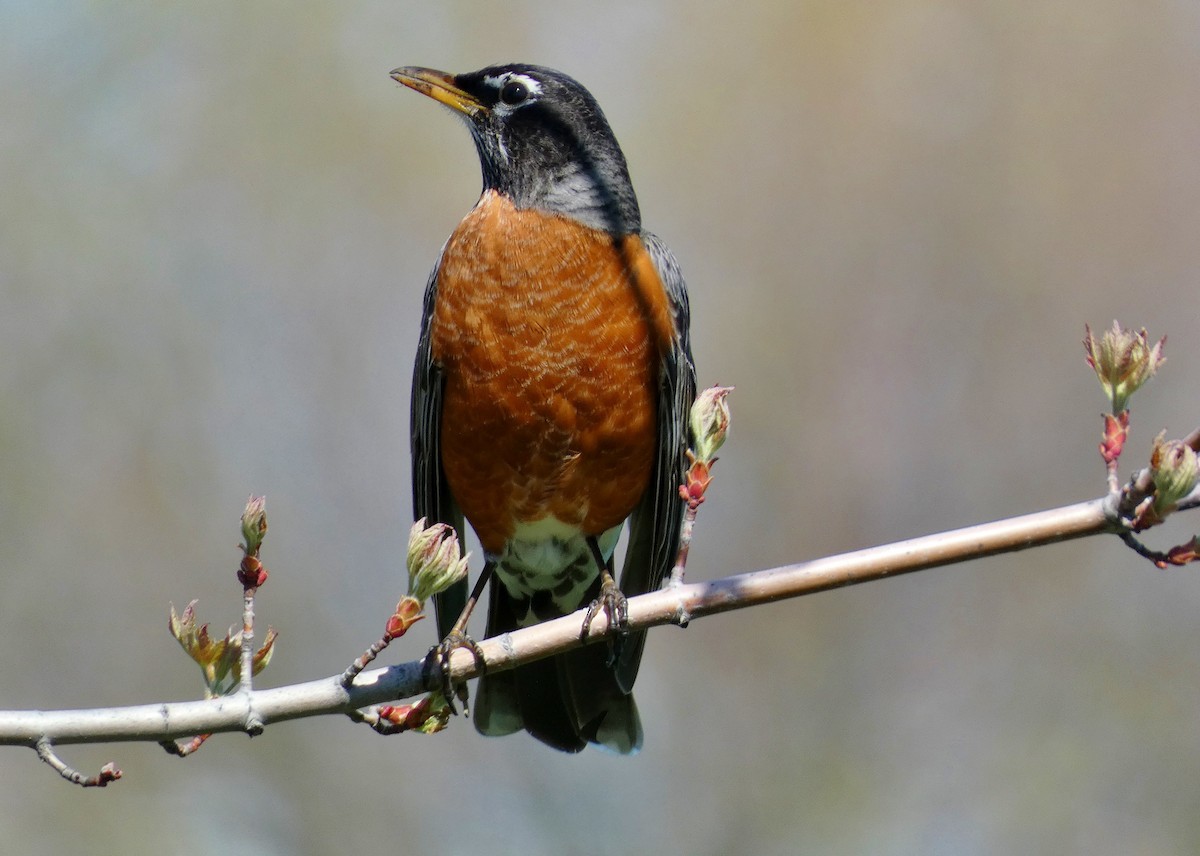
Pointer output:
x,y
673,605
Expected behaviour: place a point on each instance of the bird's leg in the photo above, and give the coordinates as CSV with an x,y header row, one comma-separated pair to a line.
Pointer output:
x,y
439,656
610,599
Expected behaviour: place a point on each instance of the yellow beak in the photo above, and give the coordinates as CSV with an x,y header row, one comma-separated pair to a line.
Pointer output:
x,y
439,86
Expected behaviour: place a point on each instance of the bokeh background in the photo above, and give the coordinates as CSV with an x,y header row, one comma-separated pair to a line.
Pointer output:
x,y
895,217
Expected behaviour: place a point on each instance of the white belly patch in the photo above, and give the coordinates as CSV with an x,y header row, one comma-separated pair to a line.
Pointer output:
x,y
548,569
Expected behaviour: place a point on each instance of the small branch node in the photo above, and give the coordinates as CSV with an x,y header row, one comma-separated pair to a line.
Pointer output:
x,y
682,616
253,724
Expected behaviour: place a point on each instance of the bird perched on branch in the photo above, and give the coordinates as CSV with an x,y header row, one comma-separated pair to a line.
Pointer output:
x,y
550,396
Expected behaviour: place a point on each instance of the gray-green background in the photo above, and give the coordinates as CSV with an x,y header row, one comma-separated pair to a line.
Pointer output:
x,y
216,219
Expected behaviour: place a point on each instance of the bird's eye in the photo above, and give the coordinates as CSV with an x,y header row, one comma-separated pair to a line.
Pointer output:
x,y
514,92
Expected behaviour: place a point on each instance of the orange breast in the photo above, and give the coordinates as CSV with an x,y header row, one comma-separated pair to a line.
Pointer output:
x,y
550,335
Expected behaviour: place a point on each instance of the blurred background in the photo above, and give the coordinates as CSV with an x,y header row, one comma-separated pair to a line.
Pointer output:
x,y
895,219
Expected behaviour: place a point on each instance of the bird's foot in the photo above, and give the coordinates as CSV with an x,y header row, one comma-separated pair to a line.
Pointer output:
x,y
437,666
613,604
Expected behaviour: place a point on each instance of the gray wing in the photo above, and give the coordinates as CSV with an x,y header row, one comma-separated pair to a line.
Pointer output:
x,y
431,495
655,523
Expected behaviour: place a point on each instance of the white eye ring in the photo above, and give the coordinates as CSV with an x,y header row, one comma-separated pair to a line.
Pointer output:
x,y
514,90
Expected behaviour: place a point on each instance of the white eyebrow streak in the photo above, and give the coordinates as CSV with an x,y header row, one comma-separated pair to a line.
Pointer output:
x,y
499,81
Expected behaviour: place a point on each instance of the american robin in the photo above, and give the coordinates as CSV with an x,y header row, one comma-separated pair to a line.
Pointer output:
x,y
550,395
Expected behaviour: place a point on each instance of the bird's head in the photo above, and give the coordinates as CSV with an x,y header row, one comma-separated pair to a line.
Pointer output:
x,y
542,139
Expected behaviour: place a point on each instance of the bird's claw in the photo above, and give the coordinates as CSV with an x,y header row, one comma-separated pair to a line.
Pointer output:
x,y
614,604
437,662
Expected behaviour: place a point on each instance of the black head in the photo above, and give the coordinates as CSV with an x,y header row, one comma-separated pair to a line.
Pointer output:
x,y
542,140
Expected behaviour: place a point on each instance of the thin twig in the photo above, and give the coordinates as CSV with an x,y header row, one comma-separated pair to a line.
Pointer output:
x,y
108,773
685,544
253,724
1132,542
364,660
183,748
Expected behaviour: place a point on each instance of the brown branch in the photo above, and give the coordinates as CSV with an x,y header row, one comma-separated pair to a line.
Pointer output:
x,y
673,605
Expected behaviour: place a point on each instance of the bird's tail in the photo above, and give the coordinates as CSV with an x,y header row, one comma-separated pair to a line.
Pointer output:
x,y
567,701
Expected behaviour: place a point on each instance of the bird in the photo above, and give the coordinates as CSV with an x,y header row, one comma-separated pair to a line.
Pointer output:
x,y
550,394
